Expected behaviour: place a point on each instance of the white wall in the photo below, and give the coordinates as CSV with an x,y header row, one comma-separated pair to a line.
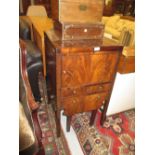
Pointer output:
x,y
123,95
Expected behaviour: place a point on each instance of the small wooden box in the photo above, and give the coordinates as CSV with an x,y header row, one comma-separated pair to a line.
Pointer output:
x,y
79,31
84,11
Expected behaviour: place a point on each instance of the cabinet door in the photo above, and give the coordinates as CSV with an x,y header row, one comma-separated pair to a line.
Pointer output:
x,y
87,69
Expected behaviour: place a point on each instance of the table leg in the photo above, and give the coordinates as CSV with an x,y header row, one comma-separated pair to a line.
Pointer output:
x,y
92,119
68,123
103,114
58,126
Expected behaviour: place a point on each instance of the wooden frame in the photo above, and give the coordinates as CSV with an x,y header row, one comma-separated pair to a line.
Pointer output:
x,y
31,103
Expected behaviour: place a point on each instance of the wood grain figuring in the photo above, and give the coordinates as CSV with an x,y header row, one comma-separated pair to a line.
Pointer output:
x,y
89,68
91,89
85,90
80,104
68,92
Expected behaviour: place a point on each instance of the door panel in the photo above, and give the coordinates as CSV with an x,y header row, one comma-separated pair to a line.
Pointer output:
x,y
88,68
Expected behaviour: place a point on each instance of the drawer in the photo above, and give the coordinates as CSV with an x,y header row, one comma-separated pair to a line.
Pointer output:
x,y
73,105
98,88
67,92
85,90
76,31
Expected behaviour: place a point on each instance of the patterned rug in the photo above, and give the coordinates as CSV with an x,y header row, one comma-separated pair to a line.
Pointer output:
x,y
52,144
115,137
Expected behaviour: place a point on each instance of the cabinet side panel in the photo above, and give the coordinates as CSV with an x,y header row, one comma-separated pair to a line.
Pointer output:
x,y
50,67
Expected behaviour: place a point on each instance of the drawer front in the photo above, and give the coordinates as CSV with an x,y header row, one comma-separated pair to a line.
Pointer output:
x,y
79,104
80,11
88,69
98,88
68,92
85,90
77,32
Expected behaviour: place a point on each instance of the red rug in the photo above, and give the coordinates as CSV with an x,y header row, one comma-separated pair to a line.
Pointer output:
x,y
52,144
115,137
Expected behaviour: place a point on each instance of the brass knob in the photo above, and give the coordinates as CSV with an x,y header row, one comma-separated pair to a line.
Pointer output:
x,y
85,30
74,101
64,72
74,91
98,97
100,87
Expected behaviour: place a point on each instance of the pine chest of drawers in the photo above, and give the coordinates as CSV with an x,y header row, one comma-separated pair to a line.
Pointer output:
x,y
81,75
